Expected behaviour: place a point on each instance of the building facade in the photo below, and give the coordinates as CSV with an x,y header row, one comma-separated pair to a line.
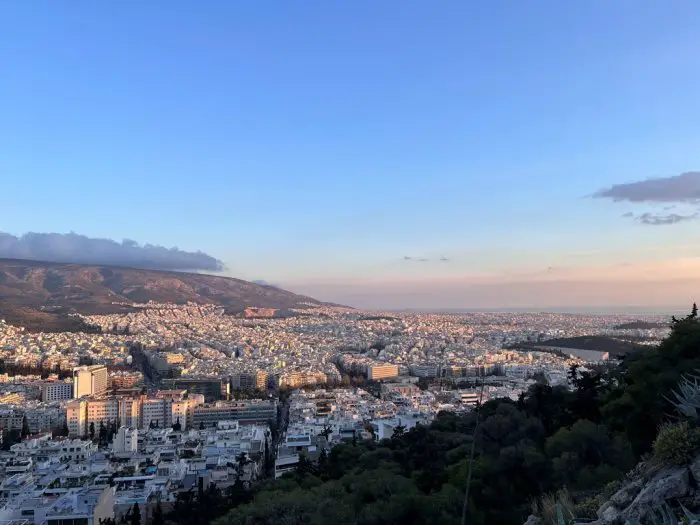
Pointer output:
x,y
90,381
56,391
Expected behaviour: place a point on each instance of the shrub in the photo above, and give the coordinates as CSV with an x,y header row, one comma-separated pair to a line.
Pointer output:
x,y
551,506
675,444
587,509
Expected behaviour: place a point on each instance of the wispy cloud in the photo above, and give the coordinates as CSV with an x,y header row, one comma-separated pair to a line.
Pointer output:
x,y
415,259
79,249
683,188
444,259
659,219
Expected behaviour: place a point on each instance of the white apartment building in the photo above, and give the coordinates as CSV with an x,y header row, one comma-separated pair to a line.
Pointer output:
x,y
56,391
90,381
125,440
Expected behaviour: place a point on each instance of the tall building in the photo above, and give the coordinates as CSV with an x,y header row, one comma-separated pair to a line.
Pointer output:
x,y
90,381
56,391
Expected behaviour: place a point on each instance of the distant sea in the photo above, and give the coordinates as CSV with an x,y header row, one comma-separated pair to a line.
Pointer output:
x,y
581,310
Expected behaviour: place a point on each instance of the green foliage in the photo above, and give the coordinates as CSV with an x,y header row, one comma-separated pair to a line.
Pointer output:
x,y
584,438
676,444
639,404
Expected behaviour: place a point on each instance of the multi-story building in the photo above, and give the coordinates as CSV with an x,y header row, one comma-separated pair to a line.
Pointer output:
x,y
167,408
211,389
164,362
11,419
80,413
40,419
90,381
121,379
243,381
299,379
423,370
56,391
254,411
382,371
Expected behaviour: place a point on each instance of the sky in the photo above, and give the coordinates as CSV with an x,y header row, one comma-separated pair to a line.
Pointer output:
x,y
485,154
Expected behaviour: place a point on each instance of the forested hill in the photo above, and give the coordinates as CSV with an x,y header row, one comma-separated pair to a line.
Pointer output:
x,y
585,439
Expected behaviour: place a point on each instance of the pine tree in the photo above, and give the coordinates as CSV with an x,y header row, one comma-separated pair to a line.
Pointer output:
x,y
157,518
91,430
135,515
25,427
103,433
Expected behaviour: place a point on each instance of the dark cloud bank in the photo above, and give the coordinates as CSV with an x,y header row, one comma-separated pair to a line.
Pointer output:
x,y
679,189
79,249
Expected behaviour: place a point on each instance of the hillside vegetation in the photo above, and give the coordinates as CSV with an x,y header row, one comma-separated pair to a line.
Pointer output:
x,y
583,439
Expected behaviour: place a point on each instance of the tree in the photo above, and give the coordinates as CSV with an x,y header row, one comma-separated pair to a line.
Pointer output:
x,y
201,425
25,427
304,466
241,462
326,432
91,430
177,426
103,433
158,518
135,518
399,432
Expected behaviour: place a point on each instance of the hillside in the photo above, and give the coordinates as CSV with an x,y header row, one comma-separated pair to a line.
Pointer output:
x,y
94,289
598,343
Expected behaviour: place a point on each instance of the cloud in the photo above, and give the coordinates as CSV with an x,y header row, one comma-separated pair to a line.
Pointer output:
x,y
444,259
79,249
683,188
416,259
658,219
628,214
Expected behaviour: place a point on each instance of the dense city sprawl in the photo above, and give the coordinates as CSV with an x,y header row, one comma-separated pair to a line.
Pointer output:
x,y
172,398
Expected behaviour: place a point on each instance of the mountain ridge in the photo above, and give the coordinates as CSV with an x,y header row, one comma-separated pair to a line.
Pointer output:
x,y
96,288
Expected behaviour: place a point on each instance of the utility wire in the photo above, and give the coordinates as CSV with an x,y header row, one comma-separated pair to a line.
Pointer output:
x,y
471,453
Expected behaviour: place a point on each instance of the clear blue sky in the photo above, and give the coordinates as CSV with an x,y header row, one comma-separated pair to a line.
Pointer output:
x,y
315,144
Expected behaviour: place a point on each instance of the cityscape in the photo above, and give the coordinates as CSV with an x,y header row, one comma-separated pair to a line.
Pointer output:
x,y
168,394
349,263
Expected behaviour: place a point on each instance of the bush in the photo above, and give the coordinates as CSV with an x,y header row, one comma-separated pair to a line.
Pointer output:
x,y
675,444
547,506
587,509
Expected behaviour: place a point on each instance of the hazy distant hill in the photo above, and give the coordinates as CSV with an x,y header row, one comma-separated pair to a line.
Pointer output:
x,y
615,347
56,287
641,325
